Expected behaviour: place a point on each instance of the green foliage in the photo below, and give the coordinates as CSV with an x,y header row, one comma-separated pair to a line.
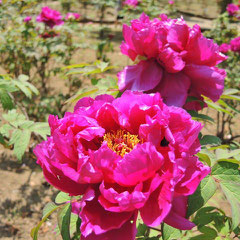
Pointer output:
x,y
18,129
63,217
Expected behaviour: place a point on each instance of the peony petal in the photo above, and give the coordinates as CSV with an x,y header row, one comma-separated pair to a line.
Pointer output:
x,y
207,81
138,165
176,217
127,231
97,220
141,77
174,88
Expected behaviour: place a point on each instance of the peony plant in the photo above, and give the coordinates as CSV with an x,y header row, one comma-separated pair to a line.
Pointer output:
x,y
173,59
137,166
124,159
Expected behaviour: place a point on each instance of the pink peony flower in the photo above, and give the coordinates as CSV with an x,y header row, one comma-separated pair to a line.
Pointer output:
x,y
131,3
173,59
235,44
27,19
232,9
73,16
224,48
50,17
127,155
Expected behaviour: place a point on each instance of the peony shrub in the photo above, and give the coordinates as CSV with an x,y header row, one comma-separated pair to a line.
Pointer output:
x,y
173,59
50,17
129,155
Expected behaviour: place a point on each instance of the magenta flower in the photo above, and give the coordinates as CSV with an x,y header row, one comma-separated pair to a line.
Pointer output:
x,y
171,2
224,48
73,16
127,155
50,17
27,19
232,9
173,59
132,3
235,44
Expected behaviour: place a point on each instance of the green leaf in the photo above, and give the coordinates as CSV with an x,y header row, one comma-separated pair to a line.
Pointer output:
x,y
204,192
170,233
41,128
62,197
200,117
230,91
63,217
228,175
208,234
217,107
210,140
20,139
6,100
50,208
141,229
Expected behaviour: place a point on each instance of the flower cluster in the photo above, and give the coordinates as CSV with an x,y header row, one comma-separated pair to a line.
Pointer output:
x,y
173,59
73,16
50,17
131,3
233,46
126,155
27,19
233,9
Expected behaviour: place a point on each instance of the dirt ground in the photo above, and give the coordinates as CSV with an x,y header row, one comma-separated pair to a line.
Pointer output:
x,y
23,190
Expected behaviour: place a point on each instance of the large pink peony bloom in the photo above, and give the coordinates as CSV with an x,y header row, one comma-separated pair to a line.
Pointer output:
x,y
132,3
235,44
173,59
127,155
50,17
232,9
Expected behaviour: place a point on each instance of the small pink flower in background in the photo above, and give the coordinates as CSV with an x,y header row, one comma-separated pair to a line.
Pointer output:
x,y
132,3
171,2
224,48
232,9
27,19
235,45
126,155
173,59
73,16
50,17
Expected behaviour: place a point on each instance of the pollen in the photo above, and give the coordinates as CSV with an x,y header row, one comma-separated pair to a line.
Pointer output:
x,y
121,141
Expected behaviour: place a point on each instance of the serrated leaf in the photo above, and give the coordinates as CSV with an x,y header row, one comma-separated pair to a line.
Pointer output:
x,y
228,175
170,233
204,192
41,128
62,197
20,139
63,217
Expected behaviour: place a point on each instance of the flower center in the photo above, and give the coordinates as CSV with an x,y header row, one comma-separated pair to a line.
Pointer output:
x,y
121,141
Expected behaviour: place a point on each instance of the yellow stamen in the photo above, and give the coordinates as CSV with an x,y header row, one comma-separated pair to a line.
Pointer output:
x,y
121,141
